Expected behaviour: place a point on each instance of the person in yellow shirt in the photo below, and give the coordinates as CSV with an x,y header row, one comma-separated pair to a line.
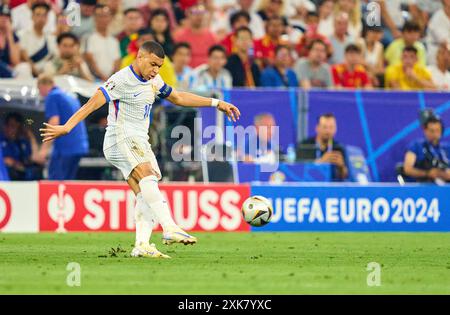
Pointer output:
x,y
167,71
409,74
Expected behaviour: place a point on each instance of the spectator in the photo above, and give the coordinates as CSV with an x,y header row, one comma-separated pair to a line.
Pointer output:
x,y
20,149
21,17
160,25
86,25
237,20
117,17
38,47
340,39
68,61
440,72
409,74
314,72
299,12
256,22
133,22
212,76
427,159
410,37
280,74
373,53
62,25
181,58
351,73
392,19
422,10
9,47
328,150
243,69
4,176
148,9
265,47
438,30
166,72
326,18
68,150
197,35
269,9
353,10
102,51
310,35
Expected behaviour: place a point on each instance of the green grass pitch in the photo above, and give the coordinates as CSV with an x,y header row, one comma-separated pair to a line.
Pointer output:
x,y
228,263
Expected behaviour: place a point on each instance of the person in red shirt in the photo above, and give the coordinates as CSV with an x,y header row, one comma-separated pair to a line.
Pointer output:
x,y
237,20
351,73
199,37
265,47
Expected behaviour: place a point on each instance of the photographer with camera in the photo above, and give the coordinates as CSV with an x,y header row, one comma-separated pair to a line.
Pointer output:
x,y
427,160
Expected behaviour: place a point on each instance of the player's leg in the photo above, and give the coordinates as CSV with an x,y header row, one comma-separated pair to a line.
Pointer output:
x,y
145,223
147,176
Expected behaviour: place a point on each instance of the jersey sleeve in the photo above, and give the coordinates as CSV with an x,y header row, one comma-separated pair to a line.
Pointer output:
x,y
113,88
163,89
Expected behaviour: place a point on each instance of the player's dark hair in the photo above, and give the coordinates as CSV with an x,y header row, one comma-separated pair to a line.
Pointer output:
x,y
237,15
214,48
352,48
181,45
243,29
65,35
411,26
40,5
326,115
131,10
153,47
410,48
14,116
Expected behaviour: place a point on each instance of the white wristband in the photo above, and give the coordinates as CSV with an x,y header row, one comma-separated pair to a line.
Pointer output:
x,y
215,102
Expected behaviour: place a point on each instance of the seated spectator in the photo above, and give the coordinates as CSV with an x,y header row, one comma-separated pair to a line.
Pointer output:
x,y
409,74
326,18
410,37
272,8
438,31
62,24
117,17
256,22
311,33
212,76
160,25
340,39
181,58
328,150
68,150
353,9
151,6
166,72
373,53
197,35
300,13
243,68
9,47
102,51
20,149
21,17
314,72
86,25
422,10
392,19
427,159
38,46
259,147
68,60
264,48
237,20
4,176
440,72
132,23
351,73
280,74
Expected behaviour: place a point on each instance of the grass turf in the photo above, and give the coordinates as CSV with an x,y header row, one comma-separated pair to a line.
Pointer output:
x,y
228,263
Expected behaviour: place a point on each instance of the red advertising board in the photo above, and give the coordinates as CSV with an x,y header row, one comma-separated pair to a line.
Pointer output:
x,y
94,206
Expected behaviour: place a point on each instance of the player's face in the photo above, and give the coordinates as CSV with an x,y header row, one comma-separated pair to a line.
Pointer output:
x,y
326,129
149,64
433,132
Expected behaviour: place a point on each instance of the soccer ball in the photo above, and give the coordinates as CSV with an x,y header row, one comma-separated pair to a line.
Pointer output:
x,y
257,210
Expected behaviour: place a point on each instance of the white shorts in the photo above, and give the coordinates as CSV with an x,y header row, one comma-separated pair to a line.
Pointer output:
x,y
129,153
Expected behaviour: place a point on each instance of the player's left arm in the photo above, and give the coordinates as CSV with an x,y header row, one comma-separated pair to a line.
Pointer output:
x,y
192,100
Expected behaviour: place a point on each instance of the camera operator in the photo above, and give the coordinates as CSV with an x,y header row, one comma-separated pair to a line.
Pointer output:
x,y
427,160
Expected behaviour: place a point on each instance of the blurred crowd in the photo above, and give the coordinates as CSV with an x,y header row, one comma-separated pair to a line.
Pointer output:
x,y
213,44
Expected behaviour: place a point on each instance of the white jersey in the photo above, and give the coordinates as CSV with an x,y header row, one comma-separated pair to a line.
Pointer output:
x,y
130,99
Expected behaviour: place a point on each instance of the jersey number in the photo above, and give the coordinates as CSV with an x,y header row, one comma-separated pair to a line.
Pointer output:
x,y
147,111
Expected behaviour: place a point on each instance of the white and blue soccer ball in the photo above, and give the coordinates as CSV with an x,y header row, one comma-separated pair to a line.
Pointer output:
x,y
257,210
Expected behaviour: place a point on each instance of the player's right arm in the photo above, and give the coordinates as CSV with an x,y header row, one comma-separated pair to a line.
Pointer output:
x,y
50,132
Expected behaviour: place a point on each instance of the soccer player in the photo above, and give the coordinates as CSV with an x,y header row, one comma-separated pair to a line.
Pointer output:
x,y
130,94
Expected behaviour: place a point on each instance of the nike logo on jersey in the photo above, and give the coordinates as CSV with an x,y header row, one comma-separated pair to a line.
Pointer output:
x,y
136,95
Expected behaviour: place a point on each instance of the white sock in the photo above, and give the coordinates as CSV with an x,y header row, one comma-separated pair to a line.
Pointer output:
x,y
144,219
155,200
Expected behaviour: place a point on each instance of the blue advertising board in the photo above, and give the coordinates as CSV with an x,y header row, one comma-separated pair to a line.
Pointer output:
x,y
357,208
